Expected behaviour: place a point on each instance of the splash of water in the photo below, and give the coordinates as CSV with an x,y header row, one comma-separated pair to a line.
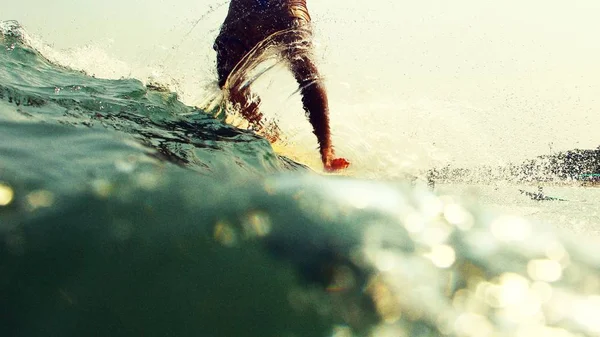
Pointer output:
x,y
98,236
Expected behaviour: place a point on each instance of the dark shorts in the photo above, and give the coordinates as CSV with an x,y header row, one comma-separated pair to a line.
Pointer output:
x,y
231,47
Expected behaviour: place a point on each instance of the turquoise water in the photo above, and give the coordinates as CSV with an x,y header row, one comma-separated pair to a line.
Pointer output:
x,y
124,212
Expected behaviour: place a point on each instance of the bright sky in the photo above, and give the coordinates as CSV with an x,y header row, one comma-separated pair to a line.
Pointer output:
x,y
434,79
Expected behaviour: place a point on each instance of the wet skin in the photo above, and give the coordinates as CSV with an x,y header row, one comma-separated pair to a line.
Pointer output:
x,y
249,22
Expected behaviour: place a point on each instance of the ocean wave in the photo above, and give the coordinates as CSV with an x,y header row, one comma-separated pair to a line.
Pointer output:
x,y
125,212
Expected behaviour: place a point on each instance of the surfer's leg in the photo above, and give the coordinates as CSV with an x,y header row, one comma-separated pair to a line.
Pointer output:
x,y
297,50
314,101
230,51
248,106
316,106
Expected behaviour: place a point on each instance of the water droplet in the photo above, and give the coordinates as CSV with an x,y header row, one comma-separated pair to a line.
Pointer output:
x,y
102,188
40,199
225,234
342,331
541,290
257,223
512,290
147,180
443,256
389,330
436,233
555,251
6,194
544,270
385,302
125,166
456,215
414,222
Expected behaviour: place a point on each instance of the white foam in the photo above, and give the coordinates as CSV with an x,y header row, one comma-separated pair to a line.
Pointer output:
x,y
411,85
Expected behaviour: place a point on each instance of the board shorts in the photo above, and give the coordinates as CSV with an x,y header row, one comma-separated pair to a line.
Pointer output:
x,y
235,42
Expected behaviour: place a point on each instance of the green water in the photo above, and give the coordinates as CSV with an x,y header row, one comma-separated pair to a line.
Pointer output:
x,y
117,189
124,212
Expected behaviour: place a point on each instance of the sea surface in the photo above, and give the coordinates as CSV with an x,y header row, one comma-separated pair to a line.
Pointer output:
x,y
125,212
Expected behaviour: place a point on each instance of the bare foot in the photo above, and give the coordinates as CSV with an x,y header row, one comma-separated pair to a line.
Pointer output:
x,y
337,164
